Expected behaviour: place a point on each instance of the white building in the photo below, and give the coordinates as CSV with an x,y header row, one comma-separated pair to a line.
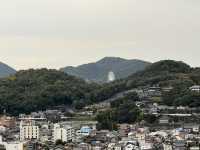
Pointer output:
x,y
12,145
131,146
164,120
28,130
195,88
2,129
146,146
65,133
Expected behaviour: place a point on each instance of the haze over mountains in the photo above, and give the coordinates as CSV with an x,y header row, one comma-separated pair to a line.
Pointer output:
x,y
99,71
6,70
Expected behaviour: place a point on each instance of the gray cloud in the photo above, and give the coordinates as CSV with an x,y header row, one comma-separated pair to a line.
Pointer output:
x,y
55,33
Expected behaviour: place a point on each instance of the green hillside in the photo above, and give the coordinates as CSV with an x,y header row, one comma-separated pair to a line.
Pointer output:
x,y
33,90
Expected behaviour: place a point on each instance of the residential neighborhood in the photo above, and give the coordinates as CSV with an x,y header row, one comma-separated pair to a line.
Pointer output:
x,y
176,128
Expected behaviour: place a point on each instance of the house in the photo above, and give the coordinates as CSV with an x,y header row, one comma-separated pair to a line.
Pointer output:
x,y
165,107
159,133
118,147
98,145
141,133
179,145
84,131
111,146
194,148
154,91
167,89
131,135
59,147
82,146
7,121
101,136
164,120
191,128
124,129
195,88
131,146
154,110
182,108
2,129
146,146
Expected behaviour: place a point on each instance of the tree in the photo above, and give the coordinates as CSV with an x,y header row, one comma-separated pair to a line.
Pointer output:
x,y
122,110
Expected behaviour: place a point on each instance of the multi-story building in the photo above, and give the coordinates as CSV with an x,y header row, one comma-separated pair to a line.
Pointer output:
x,y
65,133
28,130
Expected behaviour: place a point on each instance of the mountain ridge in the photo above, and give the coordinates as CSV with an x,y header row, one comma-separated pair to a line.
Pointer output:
x,y
98,71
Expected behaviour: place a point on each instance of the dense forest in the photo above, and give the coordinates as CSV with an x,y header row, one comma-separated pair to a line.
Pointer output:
x,y
181,95
123,110
32,90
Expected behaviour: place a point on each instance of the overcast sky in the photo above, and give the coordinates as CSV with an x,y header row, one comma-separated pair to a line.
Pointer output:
x,y
58,33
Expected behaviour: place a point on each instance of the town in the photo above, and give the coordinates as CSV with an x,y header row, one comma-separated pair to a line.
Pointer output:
x,y
175,128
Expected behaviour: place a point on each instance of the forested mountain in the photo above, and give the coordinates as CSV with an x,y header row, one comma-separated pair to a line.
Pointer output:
x,y
164,73
33,90
5,70
99,71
